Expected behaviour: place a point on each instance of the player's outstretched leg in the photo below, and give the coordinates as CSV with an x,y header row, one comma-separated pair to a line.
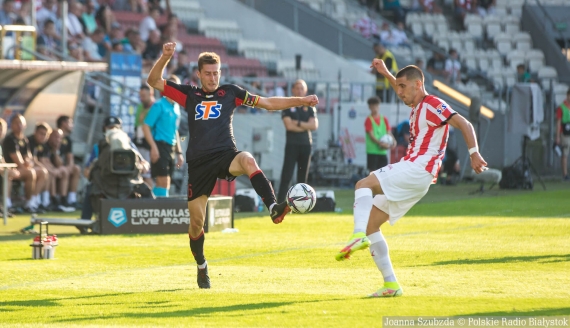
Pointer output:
x,y
244,163
379,253
363,197
264,190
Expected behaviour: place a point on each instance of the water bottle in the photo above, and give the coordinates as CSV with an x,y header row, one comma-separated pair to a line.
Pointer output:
x,y
48,249
36,248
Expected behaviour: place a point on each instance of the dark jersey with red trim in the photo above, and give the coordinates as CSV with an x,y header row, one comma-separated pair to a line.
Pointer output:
x,y
210,115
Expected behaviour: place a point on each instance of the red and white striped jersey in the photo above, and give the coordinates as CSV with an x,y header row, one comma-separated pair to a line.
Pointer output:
x,y
428,133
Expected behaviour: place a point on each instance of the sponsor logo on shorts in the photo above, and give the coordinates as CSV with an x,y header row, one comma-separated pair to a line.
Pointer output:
x,y
208,110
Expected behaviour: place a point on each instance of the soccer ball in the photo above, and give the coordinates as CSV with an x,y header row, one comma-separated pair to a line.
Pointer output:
x,y
301,198
387,139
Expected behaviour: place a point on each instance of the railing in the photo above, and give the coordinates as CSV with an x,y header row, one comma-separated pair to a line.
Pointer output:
x,y
19,37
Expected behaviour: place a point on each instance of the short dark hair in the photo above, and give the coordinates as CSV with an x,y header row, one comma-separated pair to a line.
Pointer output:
x,y
206,58
145,87
47,22
452,50
60,120
43,125
520,66
373,101
411,72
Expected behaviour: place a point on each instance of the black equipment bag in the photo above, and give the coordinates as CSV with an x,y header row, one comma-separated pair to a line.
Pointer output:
x,y
324,204
516,176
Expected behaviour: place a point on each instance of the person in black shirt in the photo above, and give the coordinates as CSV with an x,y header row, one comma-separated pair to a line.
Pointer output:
x,y
65,123
212,152
16,149
436,64
299,122
38,149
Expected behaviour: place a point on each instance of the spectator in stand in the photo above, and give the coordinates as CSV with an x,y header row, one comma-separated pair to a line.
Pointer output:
x,y
25,13
147,100
74,27
117,47
8,13
152,50
426,6
38,149
522,75
181,70
47,11
436,64
91,45
464,7
76,52
486,7
194,80
399,36
59,176
395,7
385,35
366,27
65,123
169,34
16,149
133,43
88,19
149,23
449,171
48,39
105,19
453,67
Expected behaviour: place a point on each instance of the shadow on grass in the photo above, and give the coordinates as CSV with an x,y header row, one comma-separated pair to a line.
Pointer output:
x,y
53,301
538,312
238,309
554,258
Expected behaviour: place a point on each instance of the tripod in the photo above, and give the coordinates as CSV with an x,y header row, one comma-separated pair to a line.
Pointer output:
x,y
526,164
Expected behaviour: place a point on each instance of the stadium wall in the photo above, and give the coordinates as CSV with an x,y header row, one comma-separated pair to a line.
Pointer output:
x,y
257,26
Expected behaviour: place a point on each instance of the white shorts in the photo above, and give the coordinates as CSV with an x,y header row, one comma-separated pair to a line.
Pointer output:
x,y
145,153
404,184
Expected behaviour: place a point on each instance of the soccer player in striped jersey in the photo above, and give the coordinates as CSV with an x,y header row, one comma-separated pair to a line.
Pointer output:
x,y
389,192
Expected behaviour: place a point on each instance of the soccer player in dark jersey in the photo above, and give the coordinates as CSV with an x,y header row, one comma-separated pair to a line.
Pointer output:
x,y
212,151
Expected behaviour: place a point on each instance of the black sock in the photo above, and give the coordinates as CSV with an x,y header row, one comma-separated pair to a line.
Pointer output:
x,y
197,248
263,188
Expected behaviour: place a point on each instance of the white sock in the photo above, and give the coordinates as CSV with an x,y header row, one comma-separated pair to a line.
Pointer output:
x,y
30,202
271,207
203,265
46,198
362,207
379,252
72,197
8,202
37,200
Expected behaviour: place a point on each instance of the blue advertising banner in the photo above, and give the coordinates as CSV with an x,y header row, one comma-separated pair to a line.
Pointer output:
x,y
125,69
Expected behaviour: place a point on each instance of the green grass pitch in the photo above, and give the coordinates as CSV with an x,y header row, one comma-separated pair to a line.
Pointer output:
x,y
504,253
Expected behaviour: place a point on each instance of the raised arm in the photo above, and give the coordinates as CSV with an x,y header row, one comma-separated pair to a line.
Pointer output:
x,y
155,79
381,68
280,103
459,122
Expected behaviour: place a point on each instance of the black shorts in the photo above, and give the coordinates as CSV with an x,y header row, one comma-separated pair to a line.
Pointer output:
x,y
164,167
375,161
203,172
